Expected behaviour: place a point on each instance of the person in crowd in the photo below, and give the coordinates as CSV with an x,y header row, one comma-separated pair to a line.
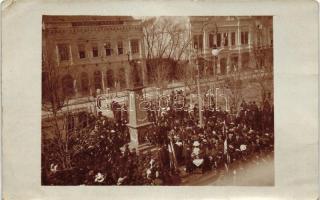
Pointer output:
x,y
100,154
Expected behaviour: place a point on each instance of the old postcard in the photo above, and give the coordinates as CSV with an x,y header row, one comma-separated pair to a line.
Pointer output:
x,y
112,95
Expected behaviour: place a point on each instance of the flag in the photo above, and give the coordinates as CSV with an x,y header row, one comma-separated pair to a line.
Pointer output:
x,y
225,146
173,160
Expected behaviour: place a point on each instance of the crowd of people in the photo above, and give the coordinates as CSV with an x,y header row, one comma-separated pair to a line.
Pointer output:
x,y
100,154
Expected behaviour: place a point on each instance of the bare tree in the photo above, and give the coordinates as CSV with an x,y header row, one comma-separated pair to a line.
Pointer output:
x,y
166,42
53,101
264,73
234,84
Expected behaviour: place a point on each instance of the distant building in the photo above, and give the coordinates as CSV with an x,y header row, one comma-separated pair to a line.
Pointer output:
x,y
91,53
246,43
85,56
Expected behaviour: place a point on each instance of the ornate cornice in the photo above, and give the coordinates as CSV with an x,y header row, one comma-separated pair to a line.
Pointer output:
x,y
95,29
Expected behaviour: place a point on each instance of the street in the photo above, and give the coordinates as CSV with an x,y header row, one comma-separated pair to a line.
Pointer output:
x,y
250,174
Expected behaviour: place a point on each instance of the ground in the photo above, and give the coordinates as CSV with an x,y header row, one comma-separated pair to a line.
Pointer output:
x,y
251,173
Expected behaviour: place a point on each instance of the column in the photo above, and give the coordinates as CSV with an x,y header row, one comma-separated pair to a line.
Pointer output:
x,y
140,48
127,75
76,84
218,65
103,79
205,42
249,38
229,39
239,61
228,63
90,83
57,55
70,53
239,47
129,49
142,67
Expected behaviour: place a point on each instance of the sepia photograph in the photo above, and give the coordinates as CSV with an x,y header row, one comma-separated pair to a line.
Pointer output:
x,y
157,100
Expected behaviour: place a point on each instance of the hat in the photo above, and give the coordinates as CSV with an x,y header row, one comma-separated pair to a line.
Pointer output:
x,y
243,147
53,168
99,178
197,162
196,151
196,143
120,180
179,143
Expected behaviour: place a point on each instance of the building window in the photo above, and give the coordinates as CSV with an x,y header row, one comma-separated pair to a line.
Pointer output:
x,y
211,41
245,37
67,85
198,41
223,66
271,37
63,50
120,48
82,51
233,38
70,123
219,39
225,39
84,82
195,42
97,80
108,49
134,46
122,77
110,79
234,63
82,119
95,51
45,87
245,60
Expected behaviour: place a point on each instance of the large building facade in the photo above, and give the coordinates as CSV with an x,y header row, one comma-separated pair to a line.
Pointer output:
x,y
92,54
244,42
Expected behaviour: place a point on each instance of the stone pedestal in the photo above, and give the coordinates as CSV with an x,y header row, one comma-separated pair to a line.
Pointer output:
x,y
138,119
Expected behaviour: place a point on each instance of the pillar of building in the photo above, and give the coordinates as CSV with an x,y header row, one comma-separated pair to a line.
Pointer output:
x,y
103,79
229,39
218,65
239,61
228,63
70,54
90,82
143,71
205,42
76,85
127,75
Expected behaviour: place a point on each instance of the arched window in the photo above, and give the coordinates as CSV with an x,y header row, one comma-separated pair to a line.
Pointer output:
x,y
70,123
97,80
110,79
223,66
122,77
67,85
82,119
136,75
84,82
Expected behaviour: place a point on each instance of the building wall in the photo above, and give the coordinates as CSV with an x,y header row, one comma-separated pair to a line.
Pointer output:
x,y
249,33
85,33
